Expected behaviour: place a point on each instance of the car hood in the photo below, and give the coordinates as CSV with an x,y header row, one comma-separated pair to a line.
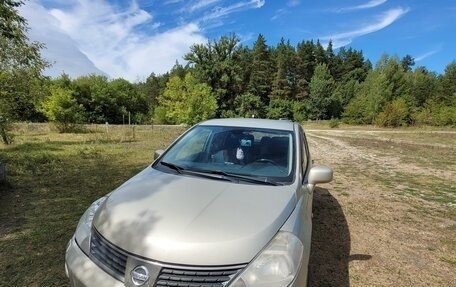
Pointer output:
x,y
192,220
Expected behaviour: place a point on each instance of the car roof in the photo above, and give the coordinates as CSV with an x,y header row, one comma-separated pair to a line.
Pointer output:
x,y
252,123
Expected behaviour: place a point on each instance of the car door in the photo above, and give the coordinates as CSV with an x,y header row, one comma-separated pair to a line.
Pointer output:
x,y
304,169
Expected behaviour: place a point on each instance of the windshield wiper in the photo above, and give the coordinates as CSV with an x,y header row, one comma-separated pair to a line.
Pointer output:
x,y
253,179
176,167
224,175
182,170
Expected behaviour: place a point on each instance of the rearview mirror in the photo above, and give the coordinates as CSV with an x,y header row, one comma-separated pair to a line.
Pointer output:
x,y
320,174
158,153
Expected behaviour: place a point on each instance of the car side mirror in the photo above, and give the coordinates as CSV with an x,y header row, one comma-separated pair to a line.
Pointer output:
x,y
320,174
158,153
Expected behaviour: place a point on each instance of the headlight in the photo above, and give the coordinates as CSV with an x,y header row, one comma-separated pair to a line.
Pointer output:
x,y
276,266
83,230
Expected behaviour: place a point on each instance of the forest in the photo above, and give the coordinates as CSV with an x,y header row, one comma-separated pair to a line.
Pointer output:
x,y
224,78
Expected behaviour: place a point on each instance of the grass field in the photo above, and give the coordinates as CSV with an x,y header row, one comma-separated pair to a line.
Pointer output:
x,y
394,192
53,178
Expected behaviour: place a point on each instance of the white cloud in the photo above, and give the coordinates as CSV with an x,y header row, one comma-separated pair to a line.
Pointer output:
x,y
96,36
92,36
200,4
381,22
220,12
368,5
160,52
61,50
279,13
427,54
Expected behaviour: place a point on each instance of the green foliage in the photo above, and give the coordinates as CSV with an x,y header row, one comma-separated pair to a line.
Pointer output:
x,y
334,123
21,91
306,81
261,75
153,87
392,95
422,87
160,116
369,100
394,114
435,114
407,63
109,101
126,98
445,116
21,83
391,69
305,65
284,83
249,105
63,110
321,89
447,86
16,52
279,108
350,65
92,93
300,112
220,65
5,134
341,96
186,101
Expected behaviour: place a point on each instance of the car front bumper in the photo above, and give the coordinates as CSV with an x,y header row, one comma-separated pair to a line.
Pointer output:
x,y
83,272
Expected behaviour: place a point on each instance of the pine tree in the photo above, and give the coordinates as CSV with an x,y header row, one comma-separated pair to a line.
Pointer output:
x,y
261,70
284,83
305,65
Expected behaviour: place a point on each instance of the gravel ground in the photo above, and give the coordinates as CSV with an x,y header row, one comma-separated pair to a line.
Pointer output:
x,y
373,225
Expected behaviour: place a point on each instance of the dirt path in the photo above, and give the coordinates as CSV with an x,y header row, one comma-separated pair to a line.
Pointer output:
x,y
390,239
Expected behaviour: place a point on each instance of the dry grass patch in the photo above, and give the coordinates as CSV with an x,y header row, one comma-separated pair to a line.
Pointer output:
x,y
398,194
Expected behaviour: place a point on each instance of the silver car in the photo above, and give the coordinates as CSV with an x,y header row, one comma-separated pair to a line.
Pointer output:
x,y
229,203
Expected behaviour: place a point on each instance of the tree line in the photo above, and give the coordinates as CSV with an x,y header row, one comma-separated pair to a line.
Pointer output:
x,y
223,78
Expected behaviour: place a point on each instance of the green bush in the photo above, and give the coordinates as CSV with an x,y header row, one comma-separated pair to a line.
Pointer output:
x,y
62,109
445,116
228,114
187,101
334,123
422,116
435,114
5,131
160,116
299,112
279,108
394,114
248,105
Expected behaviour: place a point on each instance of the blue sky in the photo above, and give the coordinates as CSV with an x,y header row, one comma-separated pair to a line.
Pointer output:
x,y
132,39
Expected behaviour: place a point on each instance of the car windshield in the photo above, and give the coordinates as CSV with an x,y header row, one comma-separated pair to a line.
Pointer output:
x,y
256,153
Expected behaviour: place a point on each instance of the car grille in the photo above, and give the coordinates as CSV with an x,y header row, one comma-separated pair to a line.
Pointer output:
x,y
109,257
195,278
114,261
